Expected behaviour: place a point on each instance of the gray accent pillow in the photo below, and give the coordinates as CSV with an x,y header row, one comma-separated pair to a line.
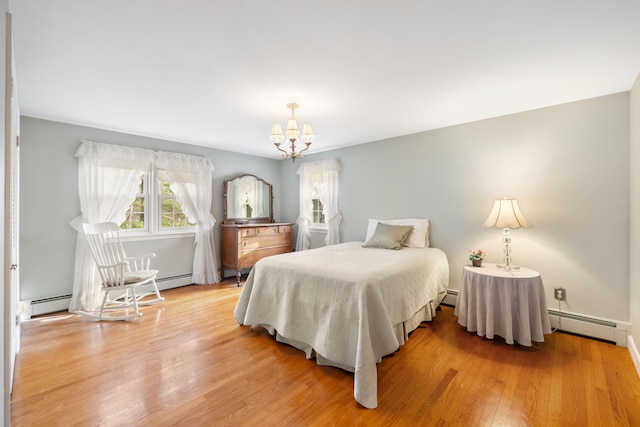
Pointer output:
x,y
388,236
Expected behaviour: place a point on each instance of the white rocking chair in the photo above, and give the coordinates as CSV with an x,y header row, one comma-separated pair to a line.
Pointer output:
x,y
119,273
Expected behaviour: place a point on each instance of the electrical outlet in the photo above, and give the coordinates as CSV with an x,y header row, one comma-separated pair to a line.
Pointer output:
x,y
560,294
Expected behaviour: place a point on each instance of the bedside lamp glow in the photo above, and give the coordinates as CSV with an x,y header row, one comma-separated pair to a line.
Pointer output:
x,y
506,215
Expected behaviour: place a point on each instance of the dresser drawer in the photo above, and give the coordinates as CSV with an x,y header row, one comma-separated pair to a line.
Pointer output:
x,y
246,232
248,258
267,231
284,229
264,231
265,241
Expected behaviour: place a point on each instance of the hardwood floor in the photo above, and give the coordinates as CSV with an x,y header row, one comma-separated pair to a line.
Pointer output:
x,y
187,362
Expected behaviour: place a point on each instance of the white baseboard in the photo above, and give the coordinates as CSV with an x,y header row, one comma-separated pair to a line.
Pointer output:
x,y
591,327
635,355
450,298
613,331
27,309
61,303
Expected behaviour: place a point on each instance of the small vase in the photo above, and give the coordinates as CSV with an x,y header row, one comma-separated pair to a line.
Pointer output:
x,y
476,262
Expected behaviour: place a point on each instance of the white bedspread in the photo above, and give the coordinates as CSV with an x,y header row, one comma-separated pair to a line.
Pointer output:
x,y
342,303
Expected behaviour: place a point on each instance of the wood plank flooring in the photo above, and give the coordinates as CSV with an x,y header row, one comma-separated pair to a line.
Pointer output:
x,y
186,362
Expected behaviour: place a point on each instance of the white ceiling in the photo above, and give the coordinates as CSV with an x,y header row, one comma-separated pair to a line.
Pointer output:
x,y
220,73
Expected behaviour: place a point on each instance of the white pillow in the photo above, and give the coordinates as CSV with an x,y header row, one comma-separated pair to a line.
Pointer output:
x,y
418,238
389,236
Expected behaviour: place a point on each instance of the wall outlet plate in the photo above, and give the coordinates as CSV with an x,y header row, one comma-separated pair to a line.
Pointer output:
x,y
560,294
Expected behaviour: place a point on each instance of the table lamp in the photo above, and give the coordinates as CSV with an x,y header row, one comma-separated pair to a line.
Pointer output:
x,y
506,215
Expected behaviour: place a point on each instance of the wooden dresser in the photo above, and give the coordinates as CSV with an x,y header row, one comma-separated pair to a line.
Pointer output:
x,y
242,245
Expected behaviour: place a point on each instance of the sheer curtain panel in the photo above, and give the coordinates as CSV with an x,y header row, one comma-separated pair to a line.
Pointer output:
x,y
108,180
191,181
319,180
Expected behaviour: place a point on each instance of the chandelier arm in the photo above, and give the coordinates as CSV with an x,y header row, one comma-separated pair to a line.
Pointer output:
x,y
285,155
304,149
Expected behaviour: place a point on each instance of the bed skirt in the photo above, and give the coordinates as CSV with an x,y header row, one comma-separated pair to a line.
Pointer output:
x,y
426,314
402,331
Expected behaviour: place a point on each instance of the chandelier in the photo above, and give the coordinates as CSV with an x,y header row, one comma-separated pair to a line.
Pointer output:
x,y
292,134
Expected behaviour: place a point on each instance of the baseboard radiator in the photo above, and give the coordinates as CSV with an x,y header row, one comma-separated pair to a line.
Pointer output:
x,y
606,330
61,302
614,332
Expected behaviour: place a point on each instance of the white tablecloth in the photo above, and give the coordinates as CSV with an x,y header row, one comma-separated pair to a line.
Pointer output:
x,y
510,304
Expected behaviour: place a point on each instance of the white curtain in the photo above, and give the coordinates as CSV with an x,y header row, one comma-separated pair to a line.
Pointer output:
x,y
191,180
319,180
109,177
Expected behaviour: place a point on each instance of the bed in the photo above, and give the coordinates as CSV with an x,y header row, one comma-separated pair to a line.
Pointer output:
x,y
346,305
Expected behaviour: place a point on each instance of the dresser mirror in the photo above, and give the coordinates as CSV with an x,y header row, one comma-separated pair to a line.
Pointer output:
x,y
247,200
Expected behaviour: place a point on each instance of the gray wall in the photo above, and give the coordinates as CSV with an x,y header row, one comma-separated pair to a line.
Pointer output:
x,y
568,166
49,200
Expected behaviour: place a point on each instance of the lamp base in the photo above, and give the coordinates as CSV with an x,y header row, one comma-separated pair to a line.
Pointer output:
x,y
508,267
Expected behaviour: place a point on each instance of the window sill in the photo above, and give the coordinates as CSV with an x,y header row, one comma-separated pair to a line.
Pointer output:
x,y
318,228
133,237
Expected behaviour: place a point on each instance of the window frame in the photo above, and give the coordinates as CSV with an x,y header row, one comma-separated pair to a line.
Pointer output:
x,y
160,198
316,227
153,213
145,196
317,212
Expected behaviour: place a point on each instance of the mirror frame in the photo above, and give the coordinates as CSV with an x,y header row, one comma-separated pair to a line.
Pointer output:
x,y
244,220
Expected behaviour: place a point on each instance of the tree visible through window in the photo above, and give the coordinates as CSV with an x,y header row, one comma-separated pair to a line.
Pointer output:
x,y
135,214
171,211
169,214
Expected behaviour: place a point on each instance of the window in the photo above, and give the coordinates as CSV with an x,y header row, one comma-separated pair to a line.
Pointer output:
x,y
135,214
318,202
168,216
170,209
317,213
109,186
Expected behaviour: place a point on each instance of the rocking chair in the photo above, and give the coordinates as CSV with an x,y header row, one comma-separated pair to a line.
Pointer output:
x,y
119,274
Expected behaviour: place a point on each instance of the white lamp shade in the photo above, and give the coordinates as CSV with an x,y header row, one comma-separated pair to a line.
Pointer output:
x,y
506,214
276,133
292,129
307,133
